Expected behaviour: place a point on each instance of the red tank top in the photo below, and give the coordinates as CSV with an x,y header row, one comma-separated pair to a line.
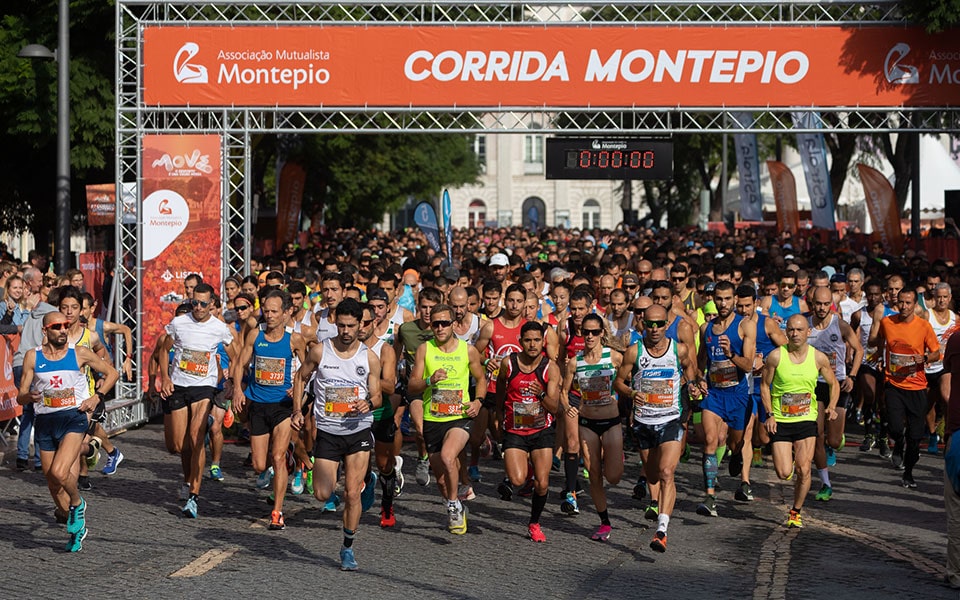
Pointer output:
x,y
503,341
523,414
574,342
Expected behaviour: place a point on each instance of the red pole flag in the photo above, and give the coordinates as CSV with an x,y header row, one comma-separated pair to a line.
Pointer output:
x,y
785,195
882,205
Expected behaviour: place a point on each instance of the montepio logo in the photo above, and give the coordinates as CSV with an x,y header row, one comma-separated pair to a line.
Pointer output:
x,y
895,71
184,70
185,165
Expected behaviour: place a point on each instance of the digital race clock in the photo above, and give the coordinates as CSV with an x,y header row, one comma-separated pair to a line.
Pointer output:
x,y
609,158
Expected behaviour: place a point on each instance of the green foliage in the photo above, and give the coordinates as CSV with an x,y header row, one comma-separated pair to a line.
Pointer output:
x,y
935,15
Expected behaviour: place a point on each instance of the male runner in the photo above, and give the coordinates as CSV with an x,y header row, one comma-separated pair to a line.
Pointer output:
x,y
784,304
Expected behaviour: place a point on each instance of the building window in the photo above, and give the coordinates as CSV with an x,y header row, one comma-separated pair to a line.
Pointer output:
x,y
505,218
480,149
591,214
532,154
534,213
561,218
477,214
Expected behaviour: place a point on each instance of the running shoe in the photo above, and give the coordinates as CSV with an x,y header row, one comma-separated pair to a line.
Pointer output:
x,y
296,484
868,443
189,509
858,417
457,519
505,490
569,505
640,490
743,493
708,508
757,458
465,492
398,469
843,442
659,542
308,484
215,473
884,445
423,471
276,521
331,504
795,520
555,467
265,478
652,511
735,466
387,518
908,482
76,520
347,561
496,450
473,472
932,444
113,461
896,459
369,492
93,454
83,483
831,457
536,534
184,490
75,544
825,493
602,533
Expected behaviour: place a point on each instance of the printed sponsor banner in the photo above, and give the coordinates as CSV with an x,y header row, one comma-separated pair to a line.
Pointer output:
x,y
289,201
785,195
813,154
425,216
101,204
9,408
180,213
882,206
748,167
447,210
563,65
91,264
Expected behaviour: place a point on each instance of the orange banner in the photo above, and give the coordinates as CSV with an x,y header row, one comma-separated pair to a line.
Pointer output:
x,y
101,204
534,66
180,212
289,202
785,195
882,206
92,266
9,408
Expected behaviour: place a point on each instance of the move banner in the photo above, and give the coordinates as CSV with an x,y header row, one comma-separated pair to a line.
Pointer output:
x,y
180,212
748,167
9,407
785,195
813,154
507,66
101,204
425,216
882,206
289,202
447,211
92,265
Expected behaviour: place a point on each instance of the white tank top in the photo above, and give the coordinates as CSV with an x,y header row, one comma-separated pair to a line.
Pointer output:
x,y
338,382
61,382
830,342
325,329
397,316
871,357
943,332
472,333
658,380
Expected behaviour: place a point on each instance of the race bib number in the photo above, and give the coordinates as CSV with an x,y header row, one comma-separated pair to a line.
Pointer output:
x,y
496,359
795,405
59,398
269,371
871,356
595,391
529,415
194,362
657,393
446,402
832,357
339,400
905,365
723,374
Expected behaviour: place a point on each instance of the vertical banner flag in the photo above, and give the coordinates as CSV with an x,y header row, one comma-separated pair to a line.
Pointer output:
x,y
101,204
425,216
447,225
9,407
748,165
882,205
785,195
180,212
813,153
91,264
289,202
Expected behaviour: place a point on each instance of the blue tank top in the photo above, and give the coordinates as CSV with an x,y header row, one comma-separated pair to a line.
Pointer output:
x,y
224,359
724,376
98,327
784,312
272,370
764,343
673,331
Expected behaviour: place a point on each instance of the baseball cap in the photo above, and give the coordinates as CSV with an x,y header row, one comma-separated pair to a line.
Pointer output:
x,y
499,260
377,294
451,274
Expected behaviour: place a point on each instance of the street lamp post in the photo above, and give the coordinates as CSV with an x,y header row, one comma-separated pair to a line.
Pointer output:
x,y
62,56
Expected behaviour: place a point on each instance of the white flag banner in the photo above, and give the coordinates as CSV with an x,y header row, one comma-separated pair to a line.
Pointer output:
x,y
813,153
748,166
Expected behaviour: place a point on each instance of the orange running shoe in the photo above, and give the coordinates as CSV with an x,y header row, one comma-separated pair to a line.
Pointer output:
x,y
536,534
387,518
276,521
659,542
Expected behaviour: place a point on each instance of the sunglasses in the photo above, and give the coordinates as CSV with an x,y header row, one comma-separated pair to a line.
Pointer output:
x,y
678,279
203,303
787,285
654,324
242,306
58,326
587,332
366,322
441,323
629,286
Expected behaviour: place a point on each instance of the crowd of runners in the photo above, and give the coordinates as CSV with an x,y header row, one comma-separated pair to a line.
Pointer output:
x,y
549,351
